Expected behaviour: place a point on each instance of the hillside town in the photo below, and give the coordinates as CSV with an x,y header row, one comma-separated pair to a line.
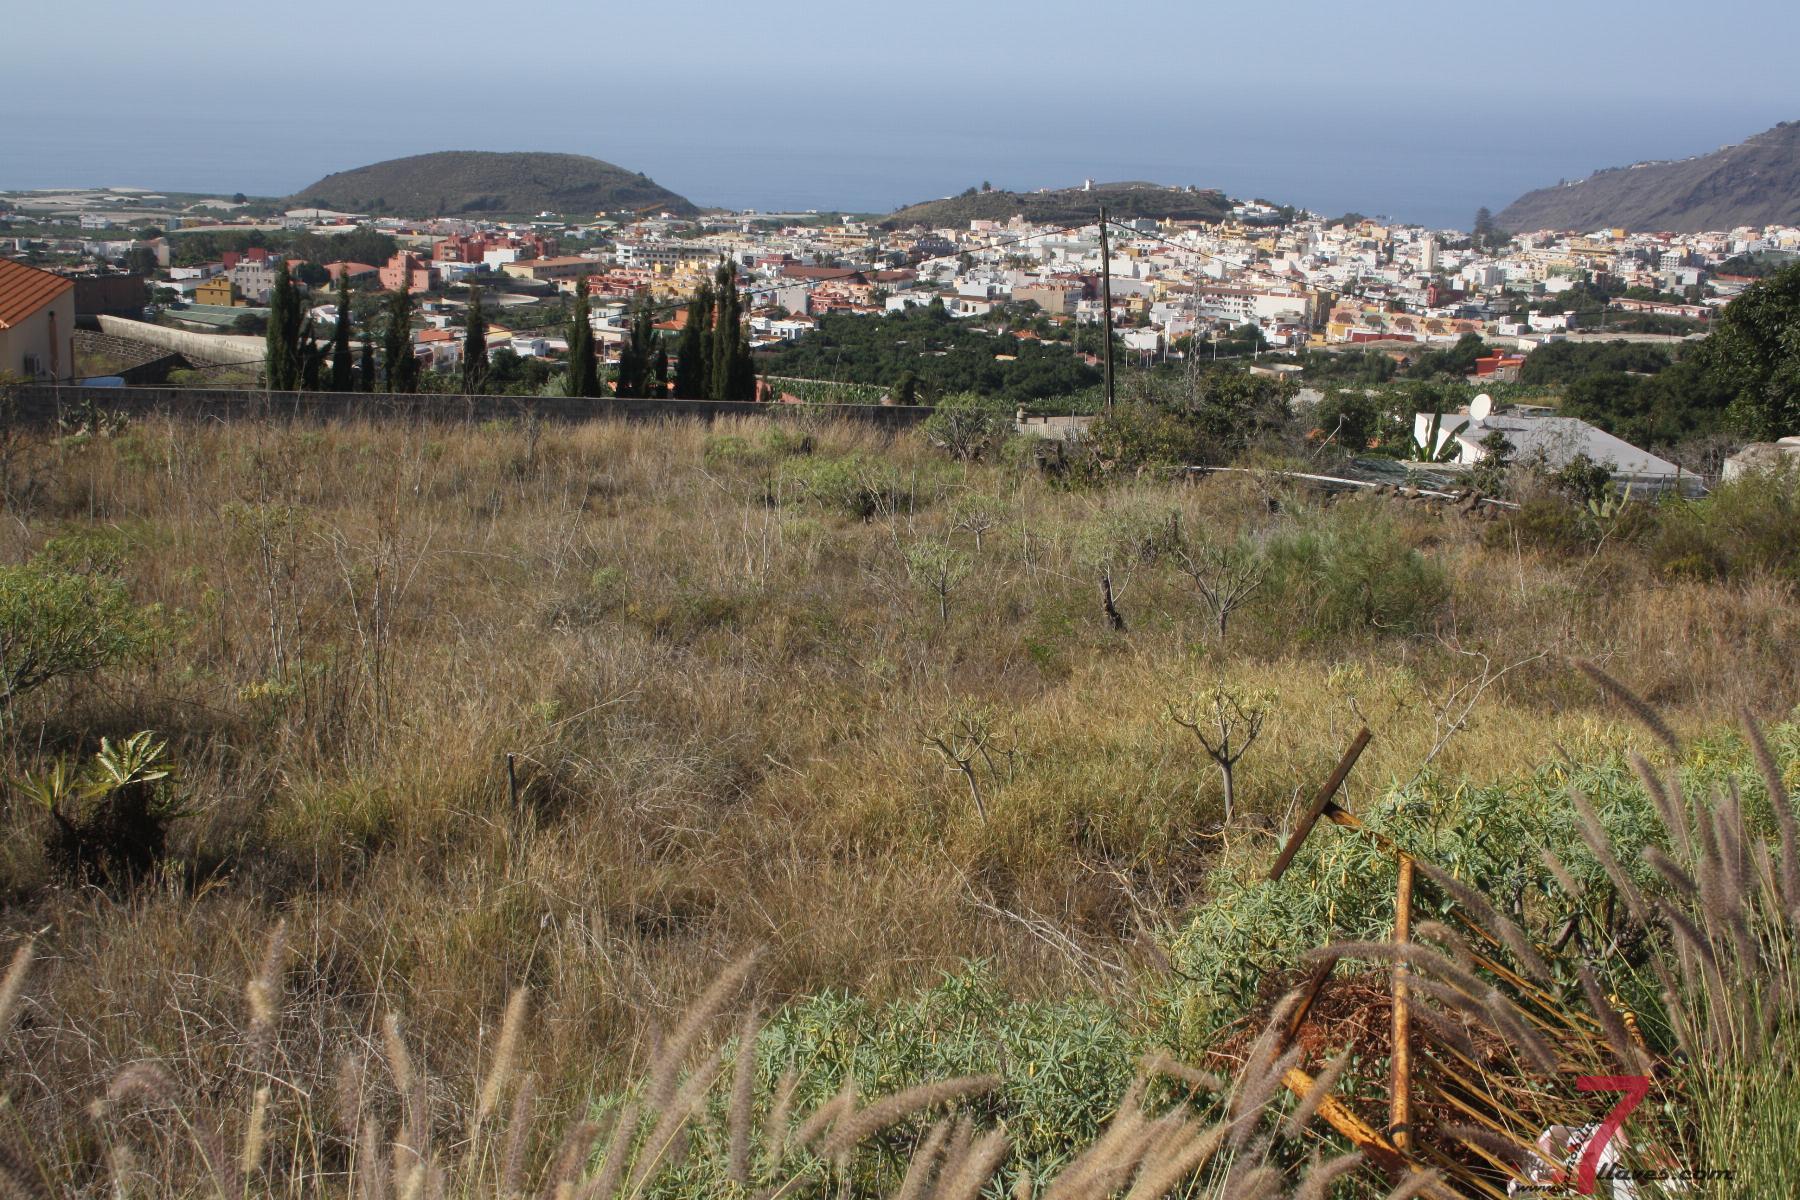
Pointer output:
x,y
1310,282
821,602
1265,281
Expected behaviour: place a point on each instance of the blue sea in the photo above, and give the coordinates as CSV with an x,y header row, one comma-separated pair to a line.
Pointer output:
x,y
1434,168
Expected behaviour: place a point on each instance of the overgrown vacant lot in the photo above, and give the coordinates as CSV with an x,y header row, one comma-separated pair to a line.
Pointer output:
x,y
736,667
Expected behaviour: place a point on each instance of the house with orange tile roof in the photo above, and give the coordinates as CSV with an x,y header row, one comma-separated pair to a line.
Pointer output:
x,y
356,270
37,322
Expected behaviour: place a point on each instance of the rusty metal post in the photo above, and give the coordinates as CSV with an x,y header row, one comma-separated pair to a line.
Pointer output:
x,y
1321,805
1400,1103
1341,1117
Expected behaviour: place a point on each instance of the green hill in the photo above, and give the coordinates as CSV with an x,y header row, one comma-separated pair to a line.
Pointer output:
x,y
1756,182
1126,201
454,182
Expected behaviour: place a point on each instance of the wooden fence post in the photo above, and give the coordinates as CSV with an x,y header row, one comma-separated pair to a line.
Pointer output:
x,y
1400,1106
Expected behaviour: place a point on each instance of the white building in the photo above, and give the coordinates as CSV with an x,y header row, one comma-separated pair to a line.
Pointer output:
x,y
1764,456
1556,439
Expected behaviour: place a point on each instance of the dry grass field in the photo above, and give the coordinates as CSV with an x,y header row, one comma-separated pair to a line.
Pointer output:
x,y
732,667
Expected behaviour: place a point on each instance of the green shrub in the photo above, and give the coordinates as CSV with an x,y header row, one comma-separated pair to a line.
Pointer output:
x,y
776,443
1341,884
110,821
1134,437
1351,420
1583,480
1559,525
1549,523
87,550
783,442
56,623
1350,569
1747,526
969,426
728,449
856,486
1062,1063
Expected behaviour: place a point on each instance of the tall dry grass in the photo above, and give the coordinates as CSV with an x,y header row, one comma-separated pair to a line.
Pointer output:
x,y
717,682
389,1130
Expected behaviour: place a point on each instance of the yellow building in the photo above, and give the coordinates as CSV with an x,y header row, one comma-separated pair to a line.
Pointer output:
x,y
218,290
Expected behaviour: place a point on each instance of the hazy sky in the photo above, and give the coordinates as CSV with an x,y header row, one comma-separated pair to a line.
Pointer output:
x,y
1418,110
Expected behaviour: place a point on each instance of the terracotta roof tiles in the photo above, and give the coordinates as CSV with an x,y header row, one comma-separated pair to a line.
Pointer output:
x,y
24,290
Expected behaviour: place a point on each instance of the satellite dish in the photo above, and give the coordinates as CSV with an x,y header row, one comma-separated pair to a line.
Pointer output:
x,y
1481,407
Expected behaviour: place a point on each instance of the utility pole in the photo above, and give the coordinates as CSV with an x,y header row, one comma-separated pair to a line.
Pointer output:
x,y
1106,303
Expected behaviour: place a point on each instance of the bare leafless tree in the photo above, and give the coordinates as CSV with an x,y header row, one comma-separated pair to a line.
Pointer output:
x,y
1226,721
1227,576
938,569
975,515
1120,541
974,742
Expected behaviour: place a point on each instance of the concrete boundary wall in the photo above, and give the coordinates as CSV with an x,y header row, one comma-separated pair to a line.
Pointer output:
x,y
217,349
46,403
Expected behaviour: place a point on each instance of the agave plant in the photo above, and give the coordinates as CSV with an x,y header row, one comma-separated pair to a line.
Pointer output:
x,y
110,819
139,759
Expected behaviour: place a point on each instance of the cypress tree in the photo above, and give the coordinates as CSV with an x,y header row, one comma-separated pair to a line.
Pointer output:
x,y
274,368
733,369
659,372
312,359
402,363
651,351
725,335
475,356
365,375
693,352
343,365
636,355
583,377
744,368
627,380
282,363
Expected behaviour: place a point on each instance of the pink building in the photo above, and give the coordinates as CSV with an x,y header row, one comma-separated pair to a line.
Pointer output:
x,y
417,274
474,248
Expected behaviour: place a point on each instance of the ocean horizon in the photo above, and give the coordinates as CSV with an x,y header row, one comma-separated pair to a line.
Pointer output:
x,y
1420,175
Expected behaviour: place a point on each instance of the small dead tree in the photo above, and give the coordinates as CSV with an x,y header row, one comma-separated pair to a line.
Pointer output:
x,y
974,742
1452,714
270,536
1227,577
975,515
937,568
1117,543
378,569
1226,721
1114,617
